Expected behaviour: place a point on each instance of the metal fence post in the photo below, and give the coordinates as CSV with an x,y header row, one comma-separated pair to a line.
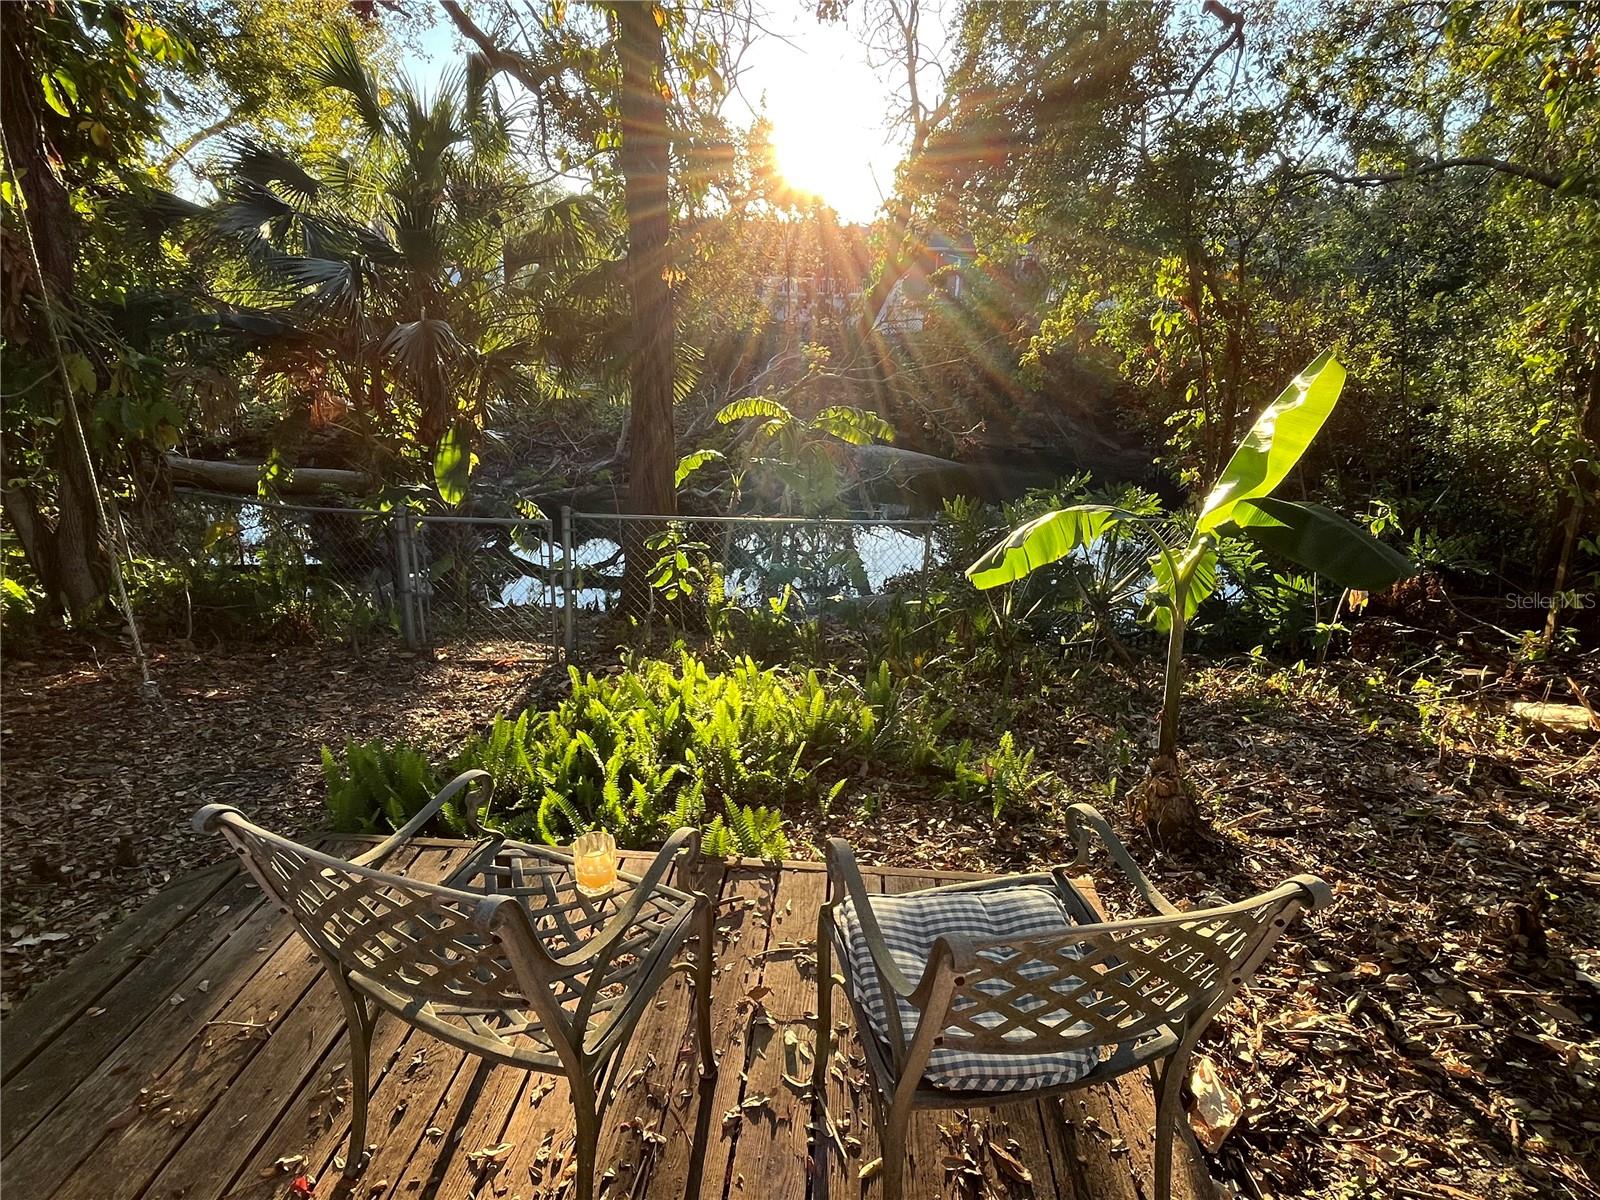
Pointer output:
x,y
419,598
402,580
568,600
927,556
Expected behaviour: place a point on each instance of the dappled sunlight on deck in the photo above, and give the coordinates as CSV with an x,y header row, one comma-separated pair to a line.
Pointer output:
x,y
196,1052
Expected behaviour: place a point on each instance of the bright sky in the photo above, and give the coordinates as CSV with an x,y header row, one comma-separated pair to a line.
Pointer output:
x,y
826,104
827,109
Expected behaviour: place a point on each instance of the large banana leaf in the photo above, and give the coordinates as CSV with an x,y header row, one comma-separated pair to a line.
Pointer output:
x,y
752,406
1040,542
1322,541
453,463
692,462
857,426
1276,441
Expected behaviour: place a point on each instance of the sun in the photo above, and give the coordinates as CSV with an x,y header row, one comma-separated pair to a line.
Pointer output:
x,y
808,164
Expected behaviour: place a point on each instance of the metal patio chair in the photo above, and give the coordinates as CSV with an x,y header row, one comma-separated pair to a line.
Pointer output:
x,y
506,959
1012,989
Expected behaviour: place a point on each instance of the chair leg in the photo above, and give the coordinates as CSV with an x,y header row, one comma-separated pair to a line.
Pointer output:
x,y
702,990
358,1020
823,1047
895,1147
1168,1107
588,1141
821,1051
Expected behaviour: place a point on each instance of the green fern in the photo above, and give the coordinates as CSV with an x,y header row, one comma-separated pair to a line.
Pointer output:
x,y
717,842
377,786
553,805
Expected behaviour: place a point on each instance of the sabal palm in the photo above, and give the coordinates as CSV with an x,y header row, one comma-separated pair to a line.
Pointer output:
x,y
421,269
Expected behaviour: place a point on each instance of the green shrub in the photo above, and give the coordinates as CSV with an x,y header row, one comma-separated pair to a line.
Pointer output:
x,y
662,744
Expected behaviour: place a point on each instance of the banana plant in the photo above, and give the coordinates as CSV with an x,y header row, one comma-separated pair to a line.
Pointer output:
x,y
1184,570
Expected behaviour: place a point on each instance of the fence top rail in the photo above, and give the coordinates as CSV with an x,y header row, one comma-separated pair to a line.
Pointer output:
x,y
446,518
753,519
368,513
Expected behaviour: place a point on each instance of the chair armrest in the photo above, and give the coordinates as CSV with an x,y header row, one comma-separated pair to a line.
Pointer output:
x,y
1316,891
684,839
210,817
843,873
1085,819
466,781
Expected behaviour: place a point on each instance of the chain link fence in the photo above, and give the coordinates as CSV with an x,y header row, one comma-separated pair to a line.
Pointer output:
x,y
355,572
748,560
433,580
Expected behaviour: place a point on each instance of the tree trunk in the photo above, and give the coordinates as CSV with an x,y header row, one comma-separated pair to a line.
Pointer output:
x,y
64,550
643,160
244,478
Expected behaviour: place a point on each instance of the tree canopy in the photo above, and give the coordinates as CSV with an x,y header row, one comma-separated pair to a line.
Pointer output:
x,y
1117,227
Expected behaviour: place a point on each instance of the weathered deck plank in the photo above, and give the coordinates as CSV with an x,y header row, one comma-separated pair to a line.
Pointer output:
x,y
253,1104
772,1156
106,1096
170,1099
849,1102
53,1006
44,1082
284,1017
745,906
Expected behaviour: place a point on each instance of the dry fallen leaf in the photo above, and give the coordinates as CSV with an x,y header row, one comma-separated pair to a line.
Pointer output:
x,y
1009,1163
1217,1106
490,1155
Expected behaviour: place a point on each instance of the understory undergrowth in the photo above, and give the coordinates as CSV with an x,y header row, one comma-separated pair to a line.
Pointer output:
x,y
672,741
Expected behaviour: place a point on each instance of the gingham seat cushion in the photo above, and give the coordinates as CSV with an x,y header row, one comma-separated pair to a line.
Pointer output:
x,y
910,924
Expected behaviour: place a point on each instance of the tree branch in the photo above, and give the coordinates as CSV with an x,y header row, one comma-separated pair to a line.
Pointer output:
x,y
1433,167
182,149
529,73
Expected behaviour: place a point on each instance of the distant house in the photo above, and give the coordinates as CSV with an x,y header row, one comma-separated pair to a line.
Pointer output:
x,y
906,307
823,276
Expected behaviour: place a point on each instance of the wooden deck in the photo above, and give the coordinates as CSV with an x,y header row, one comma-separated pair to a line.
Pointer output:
x,y
194,1054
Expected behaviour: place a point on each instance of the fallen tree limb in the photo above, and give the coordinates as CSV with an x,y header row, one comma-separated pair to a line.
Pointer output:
x,y
244,478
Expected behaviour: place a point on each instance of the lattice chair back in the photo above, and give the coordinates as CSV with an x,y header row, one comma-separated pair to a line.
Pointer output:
x,y
422,942
1106,985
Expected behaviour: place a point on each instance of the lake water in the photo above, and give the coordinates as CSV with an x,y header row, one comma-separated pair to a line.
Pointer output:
x,y
757,561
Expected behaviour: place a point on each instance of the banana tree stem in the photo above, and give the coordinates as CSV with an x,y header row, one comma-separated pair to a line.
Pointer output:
x,y
1172,691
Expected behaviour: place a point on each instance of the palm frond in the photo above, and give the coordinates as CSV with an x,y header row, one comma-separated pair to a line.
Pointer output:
x,y
265,166
247,210
160,210
423,345
339,67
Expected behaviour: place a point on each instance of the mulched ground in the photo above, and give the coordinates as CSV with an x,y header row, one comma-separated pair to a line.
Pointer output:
x,y
1436,1033
101,774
